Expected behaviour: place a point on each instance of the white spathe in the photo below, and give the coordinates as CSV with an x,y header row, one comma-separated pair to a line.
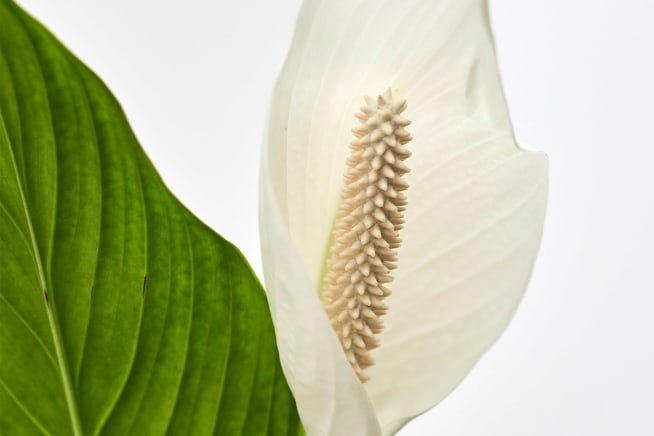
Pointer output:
x,y
473,222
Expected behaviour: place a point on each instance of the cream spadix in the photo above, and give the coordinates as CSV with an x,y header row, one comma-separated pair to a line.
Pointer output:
x,y
472,226
366,234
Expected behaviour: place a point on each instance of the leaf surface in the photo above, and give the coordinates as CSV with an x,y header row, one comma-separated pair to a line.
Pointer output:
x,y
120,312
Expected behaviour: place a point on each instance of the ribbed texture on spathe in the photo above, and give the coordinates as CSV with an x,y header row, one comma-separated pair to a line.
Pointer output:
x,y
366,233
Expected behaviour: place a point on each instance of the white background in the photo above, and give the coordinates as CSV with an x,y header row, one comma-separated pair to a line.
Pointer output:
x,y
195,77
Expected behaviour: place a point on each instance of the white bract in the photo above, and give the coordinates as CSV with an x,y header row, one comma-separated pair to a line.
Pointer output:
x,y
476,205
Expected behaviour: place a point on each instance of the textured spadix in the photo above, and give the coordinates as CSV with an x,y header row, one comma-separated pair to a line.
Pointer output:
x,y
366,234
472,228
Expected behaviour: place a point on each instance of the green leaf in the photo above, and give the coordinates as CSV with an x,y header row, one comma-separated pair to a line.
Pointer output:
x,y
120,312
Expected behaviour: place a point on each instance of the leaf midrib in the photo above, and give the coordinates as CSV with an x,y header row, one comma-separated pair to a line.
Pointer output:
x,y
52,322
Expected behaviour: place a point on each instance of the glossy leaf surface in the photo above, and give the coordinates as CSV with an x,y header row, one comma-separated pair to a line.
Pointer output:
x,y
120,312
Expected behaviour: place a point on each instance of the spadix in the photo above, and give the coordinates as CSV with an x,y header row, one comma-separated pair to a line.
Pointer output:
x,y
366,235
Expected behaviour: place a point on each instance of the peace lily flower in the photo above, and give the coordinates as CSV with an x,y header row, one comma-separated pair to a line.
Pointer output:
x,y
473,214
